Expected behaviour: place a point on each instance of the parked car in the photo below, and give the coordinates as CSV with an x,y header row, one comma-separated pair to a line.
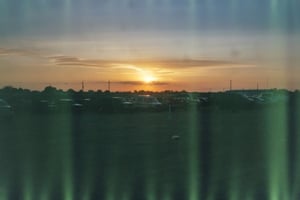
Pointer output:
x,y
146,102
5,110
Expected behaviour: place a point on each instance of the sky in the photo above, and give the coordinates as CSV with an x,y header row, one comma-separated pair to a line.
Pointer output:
x,y
194,45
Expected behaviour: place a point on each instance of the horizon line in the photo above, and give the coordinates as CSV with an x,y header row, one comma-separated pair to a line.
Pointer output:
x,y
153,91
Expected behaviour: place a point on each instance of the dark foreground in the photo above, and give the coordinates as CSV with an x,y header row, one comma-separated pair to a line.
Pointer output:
x,y
194,154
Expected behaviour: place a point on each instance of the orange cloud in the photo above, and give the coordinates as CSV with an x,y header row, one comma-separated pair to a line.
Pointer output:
x,y
155,64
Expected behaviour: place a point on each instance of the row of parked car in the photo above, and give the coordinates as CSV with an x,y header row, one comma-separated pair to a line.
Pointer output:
x,y
105,104
266,98
129,103
109,104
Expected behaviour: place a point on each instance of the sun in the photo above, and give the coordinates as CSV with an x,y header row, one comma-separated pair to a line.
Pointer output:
x,y
149,79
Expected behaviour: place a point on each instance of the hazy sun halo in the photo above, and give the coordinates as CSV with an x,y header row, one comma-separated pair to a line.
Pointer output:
x,y
149,78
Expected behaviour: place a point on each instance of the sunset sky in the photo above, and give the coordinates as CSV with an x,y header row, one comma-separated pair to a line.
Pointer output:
x,y
196,45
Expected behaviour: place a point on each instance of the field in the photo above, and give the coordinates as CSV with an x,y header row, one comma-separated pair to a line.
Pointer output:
x,y
193,154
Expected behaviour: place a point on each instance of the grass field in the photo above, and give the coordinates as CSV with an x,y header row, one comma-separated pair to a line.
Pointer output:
x,y
180,155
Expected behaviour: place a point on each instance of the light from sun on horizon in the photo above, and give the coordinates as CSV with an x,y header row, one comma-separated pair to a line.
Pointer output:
x,y
148,78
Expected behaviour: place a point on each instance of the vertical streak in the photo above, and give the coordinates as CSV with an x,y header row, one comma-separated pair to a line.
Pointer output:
x,y
274,5
234,191
151,164
4,193
276,139
233,11
27,185
150,188
44,194
26,170
274,14
66,155
211,9
112,175
293,103
193,157
126,195
167,193
150,175
249,196
87,188
296,172
51,171
87,183
192,13
3,8
27,9
4,188
111,190
149,4
67,5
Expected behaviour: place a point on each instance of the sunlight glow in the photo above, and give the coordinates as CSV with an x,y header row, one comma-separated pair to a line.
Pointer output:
x,y
148,77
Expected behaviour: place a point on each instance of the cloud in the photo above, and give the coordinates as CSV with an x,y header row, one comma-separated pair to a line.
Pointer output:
x,y
166,66
126,66
154,64
159,66
69,60
190,63
62,59
8,52
140,83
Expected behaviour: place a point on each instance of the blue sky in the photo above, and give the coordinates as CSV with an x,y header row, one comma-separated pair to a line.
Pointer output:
x,y
57,17
264,33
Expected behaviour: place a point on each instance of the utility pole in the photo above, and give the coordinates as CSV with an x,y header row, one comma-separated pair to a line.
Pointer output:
x,y
82,86
230,86
108,86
